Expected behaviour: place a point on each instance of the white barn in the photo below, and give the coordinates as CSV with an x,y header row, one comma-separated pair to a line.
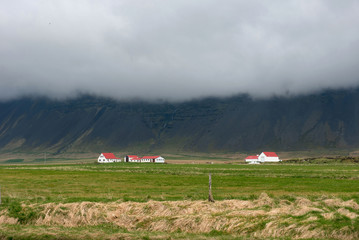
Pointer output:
x,y
108,158
268,157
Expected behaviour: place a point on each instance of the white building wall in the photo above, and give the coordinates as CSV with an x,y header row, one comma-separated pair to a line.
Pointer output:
x,y
159,160
252,161
101,159
262,157
272,159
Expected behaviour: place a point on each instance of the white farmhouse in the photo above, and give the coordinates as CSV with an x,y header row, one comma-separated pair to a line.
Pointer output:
x,y
268,157
154,159
108,158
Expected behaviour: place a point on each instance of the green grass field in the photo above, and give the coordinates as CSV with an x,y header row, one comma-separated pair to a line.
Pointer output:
x,y
131,182
140,182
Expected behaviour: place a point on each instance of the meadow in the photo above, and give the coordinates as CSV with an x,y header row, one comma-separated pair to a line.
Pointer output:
x,y
30,193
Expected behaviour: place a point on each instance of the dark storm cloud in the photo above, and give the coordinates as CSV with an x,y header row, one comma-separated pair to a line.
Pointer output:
x,y
177,50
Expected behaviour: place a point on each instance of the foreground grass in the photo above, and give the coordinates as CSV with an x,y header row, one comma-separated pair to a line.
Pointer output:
x,y
264,217
119,201
103,231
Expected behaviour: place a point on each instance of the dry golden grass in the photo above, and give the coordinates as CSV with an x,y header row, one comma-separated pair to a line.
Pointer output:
x,y
4,219
262,218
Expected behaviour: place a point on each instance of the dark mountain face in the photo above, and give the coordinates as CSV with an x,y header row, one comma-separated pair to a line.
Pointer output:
x,y
329,119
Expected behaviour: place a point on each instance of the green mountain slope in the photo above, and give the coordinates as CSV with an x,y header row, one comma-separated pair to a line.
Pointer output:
x,y
326,120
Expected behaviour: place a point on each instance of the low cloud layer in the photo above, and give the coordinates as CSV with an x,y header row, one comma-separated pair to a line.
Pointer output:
x,y
178,49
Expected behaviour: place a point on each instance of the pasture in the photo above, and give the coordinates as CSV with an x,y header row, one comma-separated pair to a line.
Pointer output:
x,y
100,186
141,182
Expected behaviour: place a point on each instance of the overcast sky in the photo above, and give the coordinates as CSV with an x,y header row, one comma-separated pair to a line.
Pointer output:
x,y
177,49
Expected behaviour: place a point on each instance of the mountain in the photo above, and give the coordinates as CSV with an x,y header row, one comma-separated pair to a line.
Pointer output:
x,y
329,119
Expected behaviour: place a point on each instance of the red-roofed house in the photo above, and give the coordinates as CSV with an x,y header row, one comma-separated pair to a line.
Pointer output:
x,y
108,158
268,157
155,159
252,160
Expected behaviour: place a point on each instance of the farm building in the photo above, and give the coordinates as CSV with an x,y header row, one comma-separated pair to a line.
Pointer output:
x,y
252,160
262,158
148,159
154,159
268,157
132,158
108,158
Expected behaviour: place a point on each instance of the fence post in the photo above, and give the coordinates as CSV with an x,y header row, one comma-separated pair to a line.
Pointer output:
x,y
210,196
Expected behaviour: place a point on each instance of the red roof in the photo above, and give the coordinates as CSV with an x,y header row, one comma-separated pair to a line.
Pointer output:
x,y
132,156
149,157
109,156
252,157
135,158
270,154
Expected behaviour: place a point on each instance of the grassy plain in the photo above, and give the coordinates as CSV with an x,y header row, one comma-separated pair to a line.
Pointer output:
x,y
27,189
141,182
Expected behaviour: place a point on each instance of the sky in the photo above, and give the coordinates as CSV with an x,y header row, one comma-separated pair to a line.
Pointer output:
x,y
177,50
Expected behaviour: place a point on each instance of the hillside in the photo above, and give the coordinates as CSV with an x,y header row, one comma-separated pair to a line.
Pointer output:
x,y
324,120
